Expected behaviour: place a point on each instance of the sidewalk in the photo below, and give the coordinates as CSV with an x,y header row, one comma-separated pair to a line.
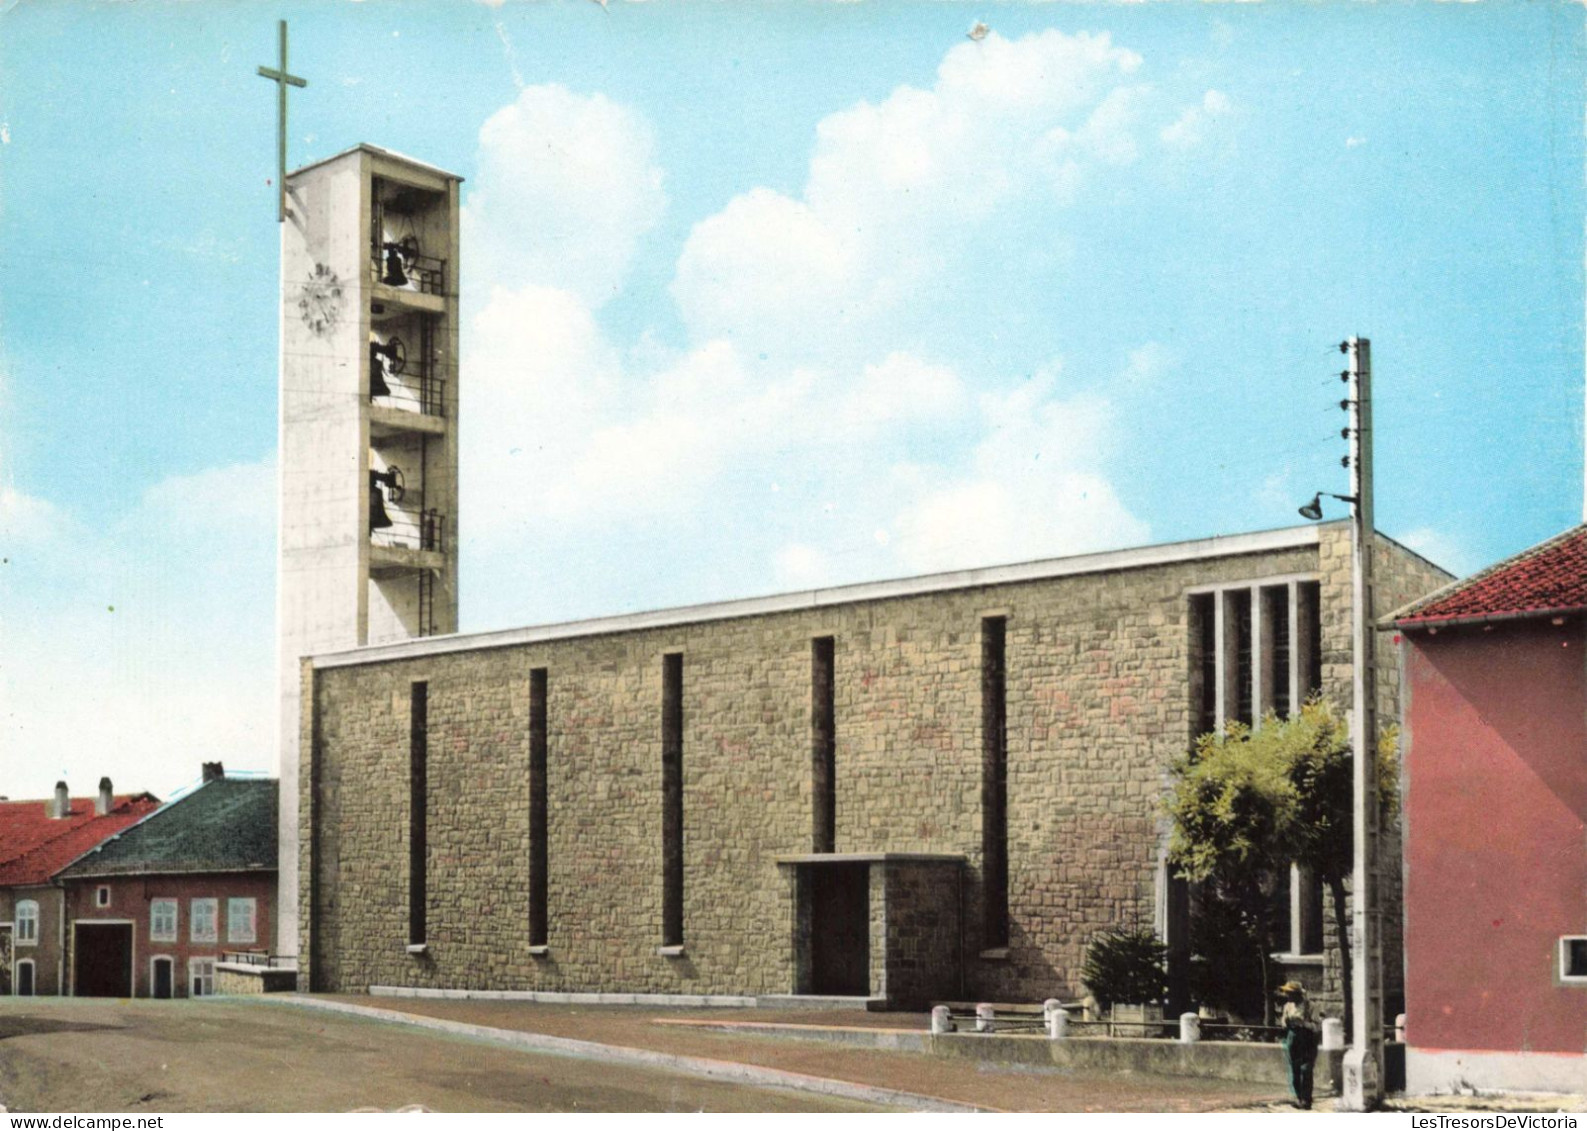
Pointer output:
x,y
950,1082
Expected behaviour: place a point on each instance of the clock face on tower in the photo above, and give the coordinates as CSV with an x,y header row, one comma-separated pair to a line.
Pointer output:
x,y
320,302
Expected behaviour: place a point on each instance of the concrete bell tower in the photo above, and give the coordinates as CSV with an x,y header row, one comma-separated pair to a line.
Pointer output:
x,y
368,428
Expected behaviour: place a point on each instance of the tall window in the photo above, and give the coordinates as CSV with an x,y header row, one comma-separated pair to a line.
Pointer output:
x,y
202,914
241,925
418,809
1254,648
200,977
538,926
994,781
162,920
672,800
27,919
823,746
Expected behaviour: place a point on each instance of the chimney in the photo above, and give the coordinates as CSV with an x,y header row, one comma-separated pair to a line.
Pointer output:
x,y
63,801
213,771
103,806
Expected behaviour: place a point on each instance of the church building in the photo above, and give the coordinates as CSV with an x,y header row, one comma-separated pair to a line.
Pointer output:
x,y
935,788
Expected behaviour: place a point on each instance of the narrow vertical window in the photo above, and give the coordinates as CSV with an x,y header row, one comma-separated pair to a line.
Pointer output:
x,y
994,781
418,796
672,800
1276,652
537,807
1237,657
1308,630
823,747
1203,665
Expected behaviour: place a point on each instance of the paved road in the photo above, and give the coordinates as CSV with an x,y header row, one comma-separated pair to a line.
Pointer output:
x,y
86,1055
1010,1088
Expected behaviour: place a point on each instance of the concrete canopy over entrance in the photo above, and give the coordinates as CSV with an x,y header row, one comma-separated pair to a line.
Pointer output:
x,y
885,926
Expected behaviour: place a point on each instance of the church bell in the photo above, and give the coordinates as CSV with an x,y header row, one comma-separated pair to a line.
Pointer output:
x,y
385,359
391,480
395,276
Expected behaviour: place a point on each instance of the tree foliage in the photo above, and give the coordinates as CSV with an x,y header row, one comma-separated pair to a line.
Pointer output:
x,y
1246,803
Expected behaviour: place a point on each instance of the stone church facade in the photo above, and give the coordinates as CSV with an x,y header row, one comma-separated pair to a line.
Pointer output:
x,y
933,789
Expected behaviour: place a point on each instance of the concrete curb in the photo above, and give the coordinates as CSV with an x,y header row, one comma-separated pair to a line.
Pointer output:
x,y
725,1070
888,1040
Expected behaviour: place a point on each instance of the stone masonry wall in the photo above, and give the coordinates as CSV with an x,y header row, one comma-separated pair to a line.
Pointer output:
x,y
922,931
1097,706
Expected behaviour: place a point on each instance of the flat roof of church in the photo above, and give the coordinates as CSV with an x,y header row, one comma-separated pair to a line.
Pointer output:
x,y
380,151
1136,557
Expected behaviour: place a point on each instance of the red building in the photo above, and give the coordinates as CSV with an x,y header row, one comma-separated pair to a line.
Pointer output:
x,y
152,910
1495,834
38,839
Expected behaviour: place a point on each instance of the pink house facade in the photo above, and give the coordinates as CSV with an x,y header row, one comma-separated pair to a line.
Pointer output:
x,y
1494,757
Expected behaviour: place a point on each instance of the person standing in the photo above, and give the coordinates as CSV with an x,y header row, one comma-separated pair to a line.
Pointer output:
x,y
1300,1041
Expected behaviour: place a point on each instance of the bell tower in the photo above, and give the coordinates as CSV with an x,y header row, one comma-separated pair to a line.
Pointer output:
x,y
368,428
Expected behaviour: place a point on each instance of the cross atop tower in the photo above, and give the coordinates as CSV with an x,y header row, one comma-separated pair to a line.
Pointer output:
x,y
282,78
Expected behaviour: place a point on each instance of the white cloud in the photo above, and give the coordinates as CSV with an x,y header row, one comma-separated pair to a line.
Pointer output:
x,y
796,369
566,186
24,519
1192,127
1147,363
146,644
896,191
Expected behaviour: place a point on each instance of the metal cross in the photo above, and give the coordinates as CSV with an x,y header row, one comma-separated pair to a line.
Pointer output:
x,y
282,78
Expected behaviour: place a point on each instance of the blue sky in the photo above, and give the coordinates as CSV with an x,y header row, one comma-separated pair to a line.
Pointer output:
x,y
768,296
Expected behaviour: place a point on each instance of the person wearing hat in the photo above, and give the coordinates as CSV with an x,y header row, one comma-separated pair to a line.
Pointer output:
x,y
1300,1040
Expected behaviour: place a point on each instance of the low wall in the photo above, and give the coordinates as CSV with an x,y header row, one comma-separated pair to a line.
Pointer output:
x,y
1219,1060
234,978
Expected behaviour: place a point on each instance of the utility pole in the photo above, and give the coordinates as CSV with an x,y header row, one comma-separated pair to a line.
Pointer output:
x,y
1363,1067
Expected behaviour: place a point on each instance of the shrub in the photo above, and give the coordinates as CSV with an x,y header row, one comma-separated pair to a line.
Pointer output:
x,y
1126,966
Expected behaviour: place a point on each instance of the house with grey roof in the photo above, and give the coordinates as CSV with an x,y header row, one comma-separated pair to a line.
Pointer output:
x,y
152,911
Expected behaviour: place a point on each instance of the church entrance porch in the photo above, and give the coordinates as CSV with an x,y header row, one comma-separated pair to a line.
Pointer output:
x,y
880,926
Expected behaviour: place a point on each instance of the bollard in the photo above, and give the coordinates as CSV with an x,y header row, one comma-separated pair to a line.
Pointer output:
x,y
1189,1028
1333,1034
941,1020
1057,1024
1399,1028
984,1018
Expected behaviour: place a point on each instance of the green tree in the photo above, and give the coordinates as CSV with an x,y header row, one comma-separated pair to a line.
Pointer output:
x,y
1245,804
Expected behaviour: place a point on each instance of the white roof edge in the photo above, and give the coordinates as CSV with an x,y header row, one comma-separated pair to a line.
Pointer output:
x,y
1166,553
379,150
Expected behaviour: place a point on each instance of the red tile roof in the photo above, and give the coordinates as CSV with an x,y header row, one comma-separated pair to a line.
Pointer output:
x,y
34,845
1548,578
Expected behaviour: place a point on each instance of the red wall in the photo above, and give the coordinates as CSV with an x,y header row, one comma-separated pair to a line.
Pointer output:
x,y
131,896
1495,843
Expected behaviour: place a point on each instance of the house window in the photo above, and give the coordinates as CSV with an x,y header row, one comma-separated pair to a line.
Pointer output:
x,y
162,920
200,976
25,984
240,920
27,922
102,896
203,913
1573,958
